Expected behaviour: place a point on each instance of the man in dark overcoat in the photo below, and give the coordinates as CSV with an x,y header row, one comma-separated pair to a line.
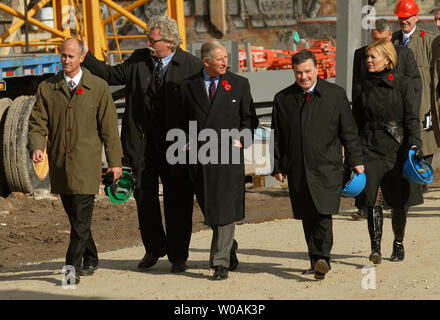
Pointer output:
x,y
406,65
75,112
220,102
151,77
311,121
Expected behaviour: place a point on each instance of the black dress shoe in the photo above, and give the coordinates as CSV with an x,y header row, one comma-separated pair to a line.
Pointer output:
x,y
148,261
321,268
221,273
233,260
178,267
88,270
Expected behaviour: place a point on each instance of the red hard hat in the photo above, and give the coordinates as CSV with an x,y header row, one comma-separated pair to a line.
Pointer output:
x,y
406,8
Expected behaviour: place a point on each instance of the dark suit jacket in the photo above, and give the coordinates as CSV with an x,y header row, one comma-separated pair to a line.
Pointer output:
x,y
136,73
220,186
308,145
406,65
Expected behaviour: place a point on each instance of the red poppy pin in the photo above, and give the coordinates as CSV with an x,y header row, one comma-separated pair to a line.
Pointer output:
x,y
79,91
226,85
390,77
422,33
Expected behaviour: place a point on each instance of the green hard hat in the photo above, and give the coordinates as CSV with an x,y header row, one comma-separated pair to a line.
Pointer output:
x,y
122,189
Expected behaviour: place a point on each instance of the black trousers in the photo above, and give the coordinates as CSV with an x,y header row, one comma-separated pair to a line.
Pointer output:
x,y
319,237
82,248
178,200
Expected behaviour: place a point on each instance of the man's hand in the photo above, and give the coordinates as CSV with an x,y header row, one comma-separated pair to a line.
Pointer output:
x,y
280,177
38,156
117,172
359,169
418,153
237,143
86,47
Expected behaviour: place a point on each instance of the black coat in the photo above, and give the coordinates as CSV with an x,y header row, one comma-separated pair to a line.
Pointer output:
x,y
386,112
136,73
406,65
308,146
220,187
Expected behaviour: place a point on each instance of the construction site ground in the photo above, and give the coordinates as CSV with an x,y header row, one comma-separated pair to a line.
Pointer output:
x,y
34,235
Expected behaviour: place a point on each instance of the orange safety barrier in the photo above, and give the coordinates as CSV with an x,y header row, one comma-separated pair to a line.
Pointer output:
x,y
278,59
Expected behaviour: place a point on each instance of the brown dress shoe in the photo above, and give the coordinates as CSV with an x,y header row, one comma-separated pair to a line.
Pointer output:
x,y
321,268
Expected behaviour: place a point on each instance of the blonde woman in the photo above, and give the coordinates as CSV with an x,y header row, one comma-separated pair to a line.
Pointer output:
x,y
386,112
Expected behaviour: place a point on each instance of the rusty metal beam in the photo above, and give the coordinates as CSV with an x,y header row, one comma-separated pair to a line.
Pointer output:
x,y
217,9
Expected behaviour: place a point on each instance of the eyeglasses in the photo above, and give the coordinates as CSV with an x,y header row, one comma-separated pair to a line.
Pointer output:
x,y
152,41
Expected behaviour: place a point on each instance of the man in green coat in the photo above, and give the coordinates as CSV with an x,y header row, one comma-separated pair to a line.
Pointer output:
x,y
75,113
420,42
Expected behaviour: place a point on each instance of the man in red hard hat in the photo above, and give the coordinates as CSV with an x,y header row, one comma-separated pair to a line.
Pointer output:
x,y
420,42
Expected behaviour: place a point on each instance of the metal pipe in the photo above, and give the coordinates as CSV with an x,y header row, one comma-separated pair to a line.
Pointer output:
x,y
26,31
126,13
39,24
128,8
249,64
19,23
126,37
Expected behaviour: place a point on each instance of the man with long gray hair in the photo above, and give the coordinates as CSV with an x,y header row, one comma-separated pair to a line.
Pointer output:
x,y
151,77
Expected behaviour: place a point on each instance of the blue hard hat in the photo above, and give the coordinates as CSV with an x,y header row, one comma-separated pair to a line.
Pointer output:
x,y
419,172
355,186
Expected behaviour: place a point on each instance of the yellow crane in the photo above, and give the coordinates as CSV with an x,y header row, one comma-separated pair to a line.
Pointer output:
x,y
87,22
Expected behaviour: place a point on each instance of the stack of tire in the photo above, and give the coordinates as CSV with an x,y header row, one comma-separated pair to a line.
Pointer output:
x,y
17,171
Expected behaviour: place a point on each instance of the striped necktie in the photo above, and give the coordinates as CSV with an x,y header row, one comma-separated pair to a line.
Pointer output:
x,y
405,41
306,95
212,89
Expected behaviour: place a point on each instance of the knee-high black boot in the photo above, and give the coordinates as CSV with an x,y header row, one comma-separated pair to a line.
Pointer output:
x,y
375,223
398,221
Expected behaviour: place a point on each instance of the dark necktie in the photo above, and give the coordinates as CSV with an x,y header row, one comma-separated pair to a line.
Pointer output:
x,y
212,89
158,74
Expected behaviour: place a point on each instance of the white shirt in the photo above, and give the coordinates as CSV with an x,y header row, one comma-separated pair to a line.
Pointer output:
x,y
405,35
76,79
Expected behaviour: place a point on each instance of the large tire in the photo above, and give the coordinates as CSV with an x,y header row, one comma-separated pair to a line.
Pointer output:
x,y
9,143
31,176
4,105
19,169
